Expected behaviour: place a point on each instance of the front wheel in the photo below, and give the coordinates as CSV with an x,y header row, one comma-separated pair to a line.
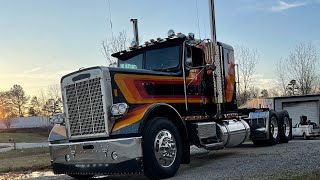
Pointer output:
x,y
162,148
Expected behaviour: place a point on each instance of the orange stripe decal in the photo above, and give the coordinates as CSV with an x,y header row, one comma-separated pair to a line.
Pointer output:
x,y
131,117
131,85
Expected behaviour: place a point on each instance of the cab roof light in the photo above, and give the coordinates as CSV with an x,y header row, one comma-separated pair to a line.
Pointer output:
x,y
152,40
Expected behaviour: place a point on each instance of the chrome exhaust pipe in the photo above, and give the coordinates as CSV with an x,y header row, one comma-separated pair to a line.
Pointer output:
x,y
135,31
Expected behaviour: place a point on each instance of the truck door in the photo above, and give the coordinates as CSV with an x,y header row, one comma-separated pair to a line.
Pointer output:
x,y
198,82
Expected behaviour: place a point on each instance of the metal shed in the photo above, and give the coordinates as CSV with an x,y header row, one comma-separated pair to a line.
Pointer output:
x,y
299,105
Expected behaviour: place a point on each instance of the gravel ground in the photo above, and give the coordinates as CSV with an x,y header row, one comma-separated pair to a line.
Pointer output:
x,y
246,162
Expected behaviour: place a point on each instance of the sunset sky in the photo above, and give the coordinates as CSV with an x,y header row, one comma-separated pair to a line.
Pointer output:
x,y
41,40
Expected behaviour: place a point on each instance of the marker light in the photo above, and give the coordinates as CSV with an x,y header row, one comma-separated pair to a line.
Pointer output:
x,y
58,118
171,33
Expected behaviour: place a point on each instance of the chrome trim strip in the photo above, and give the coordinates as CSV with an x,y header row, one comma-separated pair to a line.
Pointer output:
x,y
90,142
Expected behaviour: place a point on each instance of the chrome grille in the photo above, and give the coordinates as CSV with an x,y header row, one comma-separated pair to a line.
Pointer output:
x,y
85,108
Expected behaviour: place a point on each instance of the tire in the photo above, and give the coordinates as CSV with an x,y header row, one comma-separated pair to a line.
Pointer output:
x,y
274,134
285,128
305,137
161,131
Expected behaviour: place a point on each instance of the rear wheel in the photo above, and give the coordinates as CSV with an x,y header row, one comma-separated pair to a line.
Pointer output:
x,y
162,148
284,127
273,129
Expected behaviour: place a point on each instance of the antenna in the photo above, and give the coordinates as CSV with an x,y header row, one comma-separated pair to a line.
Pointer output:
x,y
198,18
109,6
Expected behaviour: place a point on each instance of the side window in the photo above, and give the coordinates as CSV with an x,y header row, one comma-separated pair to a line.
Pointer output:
x,y
165,59
226,55
188,61
134,62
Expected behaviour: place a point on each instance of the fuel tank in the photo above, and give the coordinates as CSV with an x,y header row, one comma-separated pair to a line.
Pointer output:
x,y
233,132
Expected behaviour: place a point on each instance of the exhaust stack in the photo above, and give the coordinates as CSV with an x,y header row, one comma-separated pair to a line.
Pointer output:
x,y
135,32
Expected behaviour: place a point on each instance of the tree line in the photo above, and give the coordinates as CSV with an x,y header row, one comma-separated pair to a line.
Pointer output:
x,y
295,74
16,103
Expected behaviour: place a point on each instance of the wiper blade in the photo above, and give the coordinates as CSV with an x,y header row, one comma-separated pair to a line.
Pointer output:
x,y
158,69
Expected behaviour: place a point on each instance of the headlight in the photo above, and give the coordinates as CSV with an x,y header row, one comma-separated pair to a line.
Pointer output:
x,y
58,118
119,109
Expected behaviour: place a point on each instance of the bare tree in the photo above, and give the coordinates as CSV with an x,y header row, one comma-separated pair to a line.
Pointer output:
x,y
114,44
35,107
274,92
53,103
52,106
301,67
18,98
247,60
264,93
6,110
282,76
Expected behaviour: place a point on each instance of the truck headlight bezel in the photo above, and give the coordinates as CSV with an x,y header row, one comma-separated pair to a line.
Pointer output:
x,y
119,109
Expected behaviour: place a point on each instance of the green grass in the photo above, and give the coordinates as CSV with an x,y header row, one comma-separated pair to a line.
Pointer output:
x,y
25,159
28,137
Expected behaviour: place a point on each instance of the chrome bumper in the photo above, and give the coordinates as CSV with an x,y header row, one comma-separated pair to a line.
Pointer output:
x,y
114,156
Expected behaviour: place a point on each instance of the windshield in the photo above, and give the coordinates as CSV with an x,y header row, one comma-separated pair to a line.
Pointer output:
x,y
132,63
164,59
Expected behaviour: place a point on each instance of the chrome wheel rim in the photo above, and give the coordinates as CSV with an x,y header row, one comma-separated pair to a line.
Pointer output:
x,y
165,148
274,127
286,126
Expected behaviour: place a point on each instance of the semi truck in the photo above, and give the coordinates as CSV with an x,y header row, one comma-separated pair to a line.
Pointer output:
x,y
142,116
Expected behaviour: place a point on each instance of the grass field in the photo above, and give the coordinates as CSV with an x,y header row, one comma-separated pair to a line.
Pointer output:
x,y
25,159
27,135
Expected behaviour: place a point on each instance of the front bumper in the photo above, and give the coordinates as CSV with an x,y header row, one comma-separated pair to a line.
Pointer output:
x,y
98,157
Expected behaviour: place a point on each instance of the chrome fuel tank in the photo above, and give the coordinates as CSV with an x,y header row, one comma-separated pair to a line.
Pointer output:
x,y
233,132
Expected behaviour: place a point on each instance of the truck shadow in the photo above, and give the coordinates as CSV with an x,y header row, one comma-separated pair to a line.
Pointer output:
x,y
198,159
203,159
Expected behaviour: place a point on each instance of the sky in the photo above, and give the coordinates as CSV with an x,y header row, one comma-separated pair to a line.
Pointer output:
x,y
41,40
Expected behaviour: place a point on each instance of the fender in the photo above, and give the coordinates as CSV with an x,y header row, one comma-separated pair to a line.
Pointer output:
x,y
162,109
136,119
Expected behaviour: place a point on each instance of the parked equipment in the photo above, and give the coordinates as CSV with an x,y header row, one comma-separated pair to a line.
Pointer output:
x,y
306,128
